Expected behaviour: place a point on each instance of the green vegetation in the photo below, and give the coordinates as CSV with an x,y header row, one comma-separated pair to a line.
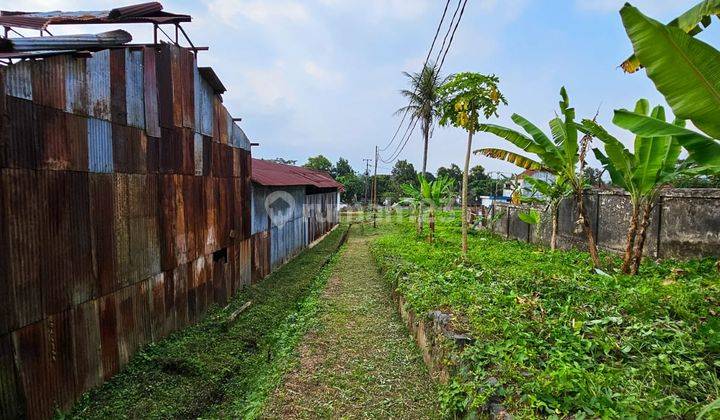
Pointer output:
x,y
553,337
358,360
222,368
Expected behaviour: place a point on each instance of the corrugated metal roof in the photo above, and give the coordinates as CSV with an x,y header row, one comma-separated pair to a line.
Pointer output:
x,y
275,174
139,13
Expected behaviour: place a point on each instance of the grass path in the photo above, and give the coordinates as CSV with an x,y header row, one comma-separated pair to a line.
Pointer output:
x,y
358,361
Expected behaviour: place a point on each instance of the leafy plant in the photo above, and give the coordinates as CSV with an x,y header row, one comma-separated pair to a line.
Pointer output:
x,y
465,98
531,217
550,194
435,194
562,156
643,174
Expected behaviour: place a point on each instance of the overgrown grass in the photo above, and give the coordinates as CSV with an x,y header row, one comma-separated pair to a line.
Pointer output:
x,y
553,338
220,369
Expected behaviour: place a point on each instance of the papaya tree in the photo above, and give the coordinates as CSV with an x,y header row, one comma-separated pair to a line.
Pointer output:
x,y
563,156
642,173
465,98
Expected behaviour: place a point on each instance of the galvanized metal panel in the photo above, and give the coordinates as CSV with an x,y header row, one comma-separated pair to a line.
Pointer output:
x,y
22,149
18,80
48,79
259,214
76,88
100,146
198,152
98,85
239,139
150,84
203,104
134,88
118,90
220,124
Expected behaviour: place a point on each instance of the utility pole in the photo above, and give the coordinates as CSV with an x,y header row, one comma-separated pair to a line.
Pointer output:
x,y
375,190
367,179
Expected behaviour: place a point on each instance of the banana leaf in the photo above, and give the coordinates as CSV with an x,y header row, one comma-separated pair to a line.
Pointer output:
x,y
705,151
514,158
691,22
685,70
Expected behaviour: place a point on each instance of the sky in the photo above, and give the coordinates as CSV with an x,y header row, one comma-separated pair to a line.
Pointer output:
x,y
313,77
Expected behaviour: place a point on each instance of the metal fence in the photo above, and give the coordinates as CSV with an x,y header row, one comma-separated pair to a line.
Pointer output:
x,y
125,201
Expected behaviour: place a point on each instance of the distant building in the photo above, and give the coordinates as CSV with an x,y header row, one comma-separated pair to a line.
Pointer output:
x,y
526,189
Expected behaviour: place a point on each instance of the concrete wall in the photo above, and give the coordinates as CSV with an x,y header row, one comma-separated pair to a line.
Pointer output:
x,y
684,224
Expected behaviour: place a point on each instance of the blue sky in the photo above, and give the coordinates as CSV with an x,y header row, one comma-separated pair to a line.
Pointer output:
x,y
315,77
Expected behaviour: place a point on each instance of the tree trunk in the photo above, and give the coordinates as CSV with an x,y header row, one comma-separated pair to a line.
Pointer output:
x,y
431,224
592,246
640,238
553,235
426,136
630,239
465,196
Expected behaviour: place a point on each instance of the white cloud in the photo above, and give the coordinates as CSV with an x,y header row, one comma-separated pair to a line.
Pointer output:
x,y
258,11
321,74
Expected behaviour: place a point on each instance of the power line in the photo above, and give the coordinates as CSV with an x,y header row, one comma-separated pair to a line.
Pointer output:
x,y
397,152
432,46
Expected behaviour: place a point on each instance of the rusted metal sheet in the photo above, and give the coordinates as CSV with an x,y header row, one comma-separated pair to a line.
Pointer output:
x,y
142,227
11,404
48,80
167,221
220,124
221,279
22,149
177,86
180,236
18,80
76,89
67,267
98,85
138,150
187,80
55,153
198,153
24,210
88,355
121,230
211,216
171,151
76,136
153,155
118,89
164,78
180,276
191,199
259,215
150,95
247,196
127,329
100,146
188,145
203,105
109,335
102,209
260,247
121,150
134,88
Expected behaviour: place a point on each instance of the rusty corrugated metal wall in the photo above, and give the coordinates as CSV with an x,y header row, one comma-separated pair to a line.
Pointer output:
x,y
125,201
285,220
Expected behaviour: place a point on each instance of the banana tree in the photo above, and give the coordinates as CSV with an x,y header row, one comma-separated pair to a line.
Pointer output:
x,y
466,97
436,194
562,156
550,194
642,174
413,198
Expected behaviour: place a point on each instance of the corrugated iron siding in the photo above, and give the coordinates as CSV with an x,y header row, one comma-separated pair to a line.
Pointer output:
x,y
115,232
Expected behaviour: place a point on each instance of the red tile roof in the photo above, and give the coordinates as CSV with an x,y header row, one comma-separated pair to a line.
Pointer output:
x,y
273,174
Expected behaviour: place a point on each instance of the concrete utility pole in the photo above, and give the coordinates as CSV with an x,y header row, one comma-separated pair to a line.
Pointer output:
x,y
375,190
367,180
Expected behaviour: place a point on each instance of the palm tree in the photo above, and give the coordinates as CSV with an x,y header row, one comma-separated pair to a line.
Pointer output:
x,y
424,101
563,156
